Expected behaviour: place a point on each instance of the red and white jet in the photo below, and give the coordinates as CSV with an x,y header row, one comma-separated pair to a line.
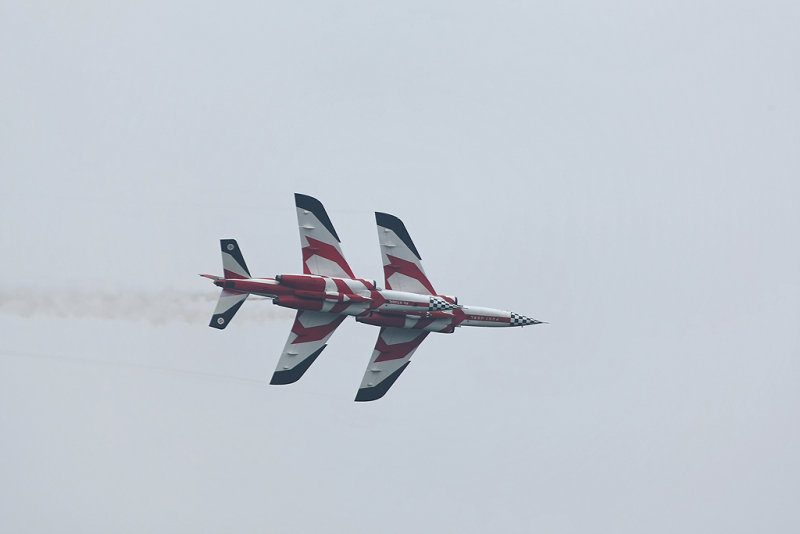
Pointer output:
x,y
407,310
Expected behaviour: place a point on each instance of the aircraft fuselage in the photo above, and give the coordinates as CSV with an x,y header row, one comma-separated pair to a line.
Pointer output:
x,y
328,291
371,304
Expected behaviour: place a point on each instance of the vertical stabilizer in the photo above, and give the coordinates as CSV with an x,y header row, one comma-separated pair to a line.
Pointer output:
x,y
233,265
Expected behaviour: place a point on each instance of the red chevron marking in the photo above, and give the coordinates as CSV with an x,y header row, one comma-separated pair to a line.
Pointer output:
x,y
398,350
324,250
314,333
410,269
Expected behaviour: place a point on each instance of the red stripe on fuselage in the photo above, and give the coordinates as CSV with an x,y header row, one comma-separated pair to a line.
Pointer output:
x,y
255,286
230,274
297,303
341,286
488,318
459,316
305,283
377,300
383,319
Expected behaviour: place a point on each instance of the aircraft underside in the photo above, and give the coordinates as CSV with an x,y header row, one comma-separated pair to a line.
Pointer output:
x,y
406,310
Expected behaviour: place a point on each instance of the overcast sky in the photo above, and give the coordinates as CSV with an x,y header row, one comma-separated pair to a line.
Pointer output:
x,y
627,171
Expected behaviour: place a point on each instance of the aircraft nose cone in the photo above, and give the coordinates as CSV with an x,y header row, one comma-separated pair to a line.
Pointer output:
x,y
517,319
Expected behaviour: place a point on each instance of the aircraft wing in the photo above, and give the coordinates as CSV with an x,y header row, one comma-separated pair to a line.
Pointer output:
x,y
402,264
310,331
391,356
322,253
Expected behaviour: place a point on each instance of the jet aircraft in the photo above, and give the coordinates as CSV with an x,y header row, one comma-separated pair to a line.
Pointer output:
x,y
406,310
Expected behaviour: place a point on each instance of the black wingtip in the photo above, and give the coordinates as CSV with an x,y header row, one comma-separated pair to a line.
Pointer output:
x,y
376,392
396,225
290,376
313,205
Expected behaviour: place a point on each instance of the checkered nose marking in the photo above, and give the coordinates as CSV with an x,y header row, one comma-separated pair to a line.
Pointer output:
x,y
439,304
521,320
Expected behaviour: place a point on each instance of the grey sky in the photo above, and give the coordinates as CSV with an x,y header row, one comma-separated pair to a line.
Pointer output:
x,y
627,171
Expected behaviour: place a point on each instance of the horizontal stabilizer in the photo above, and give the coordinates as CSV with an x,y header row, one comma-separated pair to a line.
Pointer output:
x,y
228,304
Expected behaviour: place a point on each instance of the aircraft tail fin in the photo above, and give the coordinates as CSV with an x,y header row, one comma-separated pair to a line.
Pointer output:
x,y
233,265
228,304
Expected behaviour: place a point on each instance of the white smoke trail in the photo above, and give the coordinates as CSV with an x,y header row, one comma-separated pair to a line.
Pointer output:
x,y
135,365
156,308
